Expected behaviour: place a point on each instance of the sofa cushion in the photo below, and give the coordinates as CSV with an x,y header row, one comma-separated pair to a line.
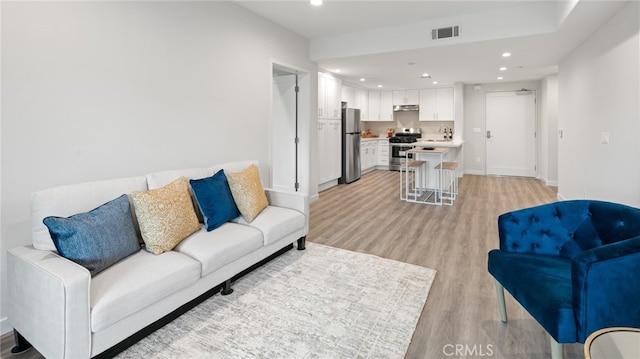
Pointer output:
x,y
165,215
215,200
137,282
248,192
542,285
276,222
98,238
218,248
68,200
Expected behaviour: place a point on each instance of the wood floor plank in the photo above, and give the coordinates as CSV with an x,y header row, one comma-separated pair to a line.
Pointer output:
x,y
367,216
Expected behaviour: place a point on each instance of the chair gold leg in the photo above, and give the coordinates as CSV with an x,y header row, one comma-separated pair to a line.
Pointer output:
x,y
556,349
501,305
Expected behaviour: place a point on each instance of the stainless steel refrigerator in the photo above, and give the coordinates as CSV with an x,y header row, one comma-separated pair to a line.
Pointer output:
x,y
350,144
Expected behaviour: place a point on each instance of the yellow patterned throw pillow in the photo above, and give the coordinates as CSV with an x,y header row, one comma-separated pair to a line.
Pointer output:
x,y
247,192
165,215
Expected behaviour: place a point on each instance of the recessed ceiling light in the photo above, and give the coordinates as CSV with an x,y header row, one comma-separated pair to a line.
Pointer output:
x,y
435,82
379,85
500,77
337,71
506,54
425,75
363,79
315,2
503,69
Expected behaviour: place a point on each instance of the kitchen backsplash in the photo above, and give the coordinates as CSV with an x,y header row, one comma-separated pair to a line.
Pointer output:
x,y
430,129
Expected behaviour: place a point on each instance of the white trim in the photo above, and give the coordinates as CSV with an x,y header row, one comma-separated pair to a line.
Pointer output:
x,y
474,172
305,150
560,197
314,198
5,326
327,185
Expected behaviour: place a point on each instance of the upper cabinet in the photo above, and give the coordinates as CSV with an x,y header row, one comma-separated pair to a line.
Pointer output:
x,y
380,106
374,106
437,104
349,95
356,98
386,106
407,97
329,96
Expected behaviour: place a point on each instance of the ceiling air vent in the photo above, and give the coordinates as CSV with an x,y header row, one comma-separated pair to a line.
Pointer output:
x,y
445,32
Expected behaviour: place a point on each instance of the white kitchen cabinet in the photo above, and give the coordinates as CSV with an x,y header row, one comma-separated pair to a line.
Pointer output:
x,y
362,99
386,106
329,96
335,133
406,97
364,155
368,154
374,106
436,104
349,95
380,106
356,98
330,149
383,153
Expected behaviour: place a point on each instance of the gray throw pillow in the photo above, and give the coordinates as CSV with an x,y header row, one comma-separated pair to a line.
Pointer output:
x,y
96,239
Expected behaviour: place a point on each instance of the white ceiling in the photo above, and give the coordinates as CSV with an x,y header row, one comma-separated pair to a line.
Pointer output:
x,y
388,42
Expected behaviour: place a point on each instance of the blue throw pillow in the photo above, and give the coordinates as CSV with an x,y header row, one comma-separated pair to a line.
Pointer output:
x,y
215,200
96,239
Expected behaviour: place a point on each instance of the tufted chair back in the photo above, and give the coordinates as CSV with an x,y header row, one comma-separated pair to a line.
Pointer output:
x,y
567,228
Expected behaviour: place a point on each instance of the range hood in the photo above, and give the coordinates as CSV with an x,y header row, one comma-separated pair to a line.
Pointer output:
x,y
406,108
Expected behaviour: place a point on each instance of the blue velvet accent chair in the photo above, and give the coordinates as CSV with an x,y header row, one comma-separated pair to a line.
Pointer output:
x,y
573,265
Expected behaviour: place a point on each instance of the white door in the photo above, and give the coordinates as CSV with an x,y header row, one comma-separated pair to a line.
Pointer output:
x,y
284,133
511,133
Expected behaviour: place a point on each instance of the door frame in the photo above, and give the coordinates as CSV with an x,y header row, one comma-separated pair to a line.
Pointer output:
x,y
536,126
304,122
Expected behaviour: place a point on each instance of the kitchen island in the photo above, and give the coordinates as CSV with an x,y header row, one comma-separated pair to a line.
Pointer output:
x,y
422,182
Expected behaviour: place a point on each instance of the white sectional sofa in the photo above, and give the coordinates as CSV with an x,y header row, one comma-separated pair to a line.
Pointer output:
x,y
59,308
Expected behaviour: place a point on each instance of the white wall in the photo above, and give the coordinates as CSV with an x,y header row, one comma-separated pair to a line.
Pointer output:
x,y
97,90
599,92
474,118
548,152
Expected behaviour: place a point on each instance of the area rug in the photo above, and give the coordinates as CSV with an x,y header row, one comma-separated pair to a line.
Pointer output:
x,y
322,302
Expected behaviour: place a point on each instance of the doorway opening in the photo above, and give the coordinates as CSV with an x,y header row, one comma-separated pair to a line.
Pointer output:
x,y
289,138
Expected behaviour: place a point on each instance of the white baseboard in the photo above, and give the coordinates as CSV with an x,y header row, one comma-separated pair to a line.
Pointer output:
x,y
314,198
327,185
472,172
559,197
548,182
5,326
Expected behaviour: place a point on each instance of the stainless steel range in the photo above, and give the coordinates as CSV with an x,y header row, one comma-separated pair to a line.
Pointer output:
x,y
401,142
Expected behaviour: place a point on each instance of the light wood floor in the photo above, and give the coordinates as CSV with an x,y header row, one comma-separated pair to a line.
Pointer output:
x,y
461,311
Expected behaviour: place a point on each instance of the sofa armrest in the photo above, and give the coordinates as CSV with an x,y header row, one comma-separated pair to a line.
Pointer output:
x,y
293,200
49,302
606,287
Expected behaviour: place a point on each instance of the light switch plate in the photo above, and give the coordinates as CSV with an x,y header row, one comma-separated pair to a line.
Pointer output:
x,y
604,138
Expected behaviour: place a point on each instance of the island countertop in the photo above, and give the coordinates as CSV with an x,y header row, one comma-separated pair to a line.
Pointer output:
x,y
438,143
